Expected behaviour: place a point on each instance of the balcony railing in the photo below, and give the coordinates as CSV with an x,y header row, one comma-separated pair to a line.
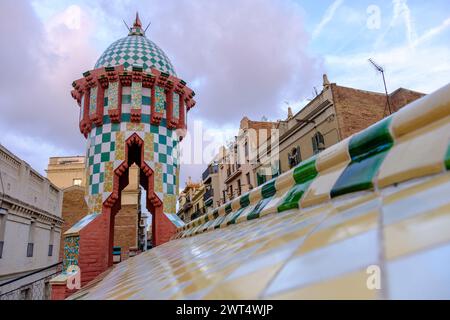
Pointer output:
x,y
208,194
210,170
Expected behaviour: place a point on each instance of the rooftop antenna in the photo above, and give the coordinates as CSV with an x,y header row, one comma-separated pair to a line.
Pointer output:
x,y
128,28
147,27
381,70
316,93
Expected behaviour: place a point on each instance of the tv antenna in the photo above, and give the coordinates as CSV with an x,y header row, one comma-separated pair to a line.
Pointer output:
x,y
381,70
316,93
147,27
128,28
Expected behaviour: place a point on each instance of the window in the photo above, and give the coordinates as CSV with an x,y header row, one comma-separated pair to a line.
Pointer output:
x,y
294,157
77,182
25,294
261,178
318,143
239,187
50,243
3,216
30,245
248,181
246,150
30,249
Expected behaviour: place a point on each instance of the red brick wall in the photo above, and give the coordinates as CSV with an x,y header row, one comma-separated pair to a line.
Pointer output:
x,y
402,97
162,228
358,109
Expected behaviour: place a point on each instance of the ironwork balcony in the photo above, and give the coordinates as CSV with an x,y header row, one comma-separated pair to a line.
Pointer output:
x,y
208,194
211,169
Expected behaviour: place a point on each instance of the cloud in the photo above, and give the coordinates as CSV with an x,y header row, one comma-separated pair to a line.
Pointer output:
x,y
433,32
327,17
423,68
244,57
39,64
401,15
241,57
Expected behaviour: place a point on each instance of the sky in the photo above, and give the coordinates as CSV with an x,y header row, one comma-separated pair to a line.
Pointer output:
x,y
242,57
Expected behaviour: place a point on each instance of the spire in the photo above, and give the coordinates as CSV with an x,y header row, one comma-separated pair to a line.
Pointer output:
x,y
137,21
137,30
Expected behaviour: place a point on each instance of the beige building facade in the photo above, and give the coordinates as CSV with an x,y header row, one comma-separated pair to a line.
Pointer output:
x,y
263,150
236,173
191,201
30,218
334,114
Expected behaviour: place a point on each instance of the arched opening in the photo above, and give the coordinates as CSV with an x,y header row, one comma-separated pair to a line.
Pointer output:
x,y
134,154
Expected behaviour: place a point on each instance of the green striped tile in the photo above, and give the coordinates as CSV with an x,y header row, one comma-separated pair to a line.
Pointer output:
x,y
304,174
268,189
367,151
219,221
244,200
447,158
258,208
232,217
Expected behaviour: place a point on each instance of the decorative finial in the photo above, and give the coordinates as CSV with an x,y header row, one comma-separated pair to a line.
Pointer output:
x,y
136,30
137,22
326,83
290,114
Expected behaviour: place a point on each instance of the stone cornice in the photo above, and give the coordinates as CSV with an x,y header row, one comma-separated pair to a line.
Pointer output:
x,y
17,206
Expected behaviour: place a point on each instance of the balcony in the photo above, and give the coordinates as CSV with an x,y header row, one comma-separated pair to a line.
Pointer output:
x,y
208,197
232,175
210,170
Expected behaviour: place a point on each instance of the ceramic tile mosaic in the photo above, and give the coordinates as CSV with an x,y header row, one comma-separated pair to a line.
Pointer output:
x,y
107,147
135,50
353,239
71,250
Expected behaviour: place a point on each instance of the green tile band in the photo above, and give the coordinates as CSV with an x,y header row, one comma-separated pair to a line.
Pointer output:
x,y
244,201
232,217
258,208
303,175
367,151
447,158
268,189
228,208
219,221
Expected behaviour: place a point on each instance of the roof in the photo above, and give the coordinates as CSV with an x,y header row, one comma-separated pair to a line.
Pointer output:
x,y
374,206
136,49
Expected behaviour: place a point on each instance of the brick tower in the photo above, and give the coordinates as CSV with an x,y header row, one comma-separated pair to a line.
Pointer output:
x,y
132,110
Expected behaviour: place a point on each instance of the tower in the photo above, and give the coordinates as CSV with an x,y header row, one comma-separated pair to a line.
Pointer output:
x,y
132,110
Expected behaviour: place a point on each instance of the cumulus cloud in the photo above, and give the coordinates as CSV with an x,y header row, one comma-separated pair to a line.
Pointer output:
x,y
39,64
241,58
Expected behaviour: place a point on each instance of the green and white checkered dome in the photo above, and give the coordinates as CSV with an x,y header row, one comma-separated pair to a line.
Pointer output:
x,y
136,49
